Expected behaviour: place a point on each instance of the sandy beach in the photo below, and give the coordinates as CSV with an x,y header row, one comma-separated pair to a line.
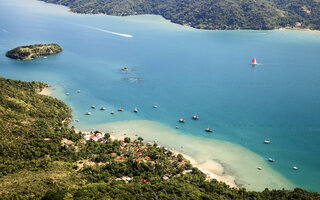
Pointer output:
x,y
46,91
210,167
228,162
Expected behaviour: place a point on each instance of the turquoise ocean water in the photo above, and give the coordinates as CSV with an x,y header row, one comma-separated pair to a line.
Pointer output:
x,y
185,72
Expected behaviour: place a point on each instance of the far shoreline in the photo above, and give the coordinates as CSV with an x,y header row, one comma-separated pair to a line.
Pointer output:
x,y
187,25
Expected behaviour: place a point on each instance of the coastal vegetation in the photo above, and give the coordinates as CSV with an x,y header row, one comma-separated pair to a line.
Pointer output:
x,y
212,14
33,51
41,157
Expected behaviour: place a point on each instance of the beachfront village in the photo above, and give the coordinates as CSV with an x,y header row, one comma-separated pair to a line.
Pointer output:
x,y
143,157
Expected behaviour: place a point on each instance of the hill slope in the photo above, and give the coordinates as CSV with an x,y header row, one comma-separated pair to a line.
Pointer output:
x,y
41,158
211,14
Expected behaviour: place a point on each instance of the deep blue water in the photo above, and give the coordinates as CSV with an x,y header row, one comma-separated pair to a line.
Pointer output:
x,y
185,72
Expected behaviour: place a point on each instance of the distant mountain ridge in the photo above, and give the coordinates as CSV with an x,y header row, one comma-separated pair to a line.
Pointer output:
x,y
212,14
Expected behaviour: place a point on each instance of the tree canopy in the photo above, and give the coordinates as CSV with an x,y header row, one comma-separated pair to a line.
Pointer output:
x,y
41,157
211,14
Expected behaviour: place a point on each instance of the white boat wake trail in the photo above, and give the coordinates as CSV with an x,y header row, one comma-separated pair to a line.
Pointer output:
x,y
106,31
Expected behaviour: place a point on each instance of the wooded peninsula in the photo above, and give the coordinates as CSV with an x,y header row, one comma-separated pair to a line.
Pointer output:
x,y
41,157
212,14
33,51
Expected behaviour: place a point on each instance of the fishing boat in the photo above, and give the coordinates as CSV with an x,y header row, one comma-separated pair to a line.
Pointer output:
x,y
88,113
254,61
295,168
93,106
195,117
102,108
181,120
135,110
208,129
120,109
267,141
271,160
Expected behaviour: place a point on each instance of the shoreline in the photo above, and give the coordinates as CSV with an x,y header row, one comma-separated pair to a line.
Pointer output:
x,y
185,25
215,172
46,91
227,162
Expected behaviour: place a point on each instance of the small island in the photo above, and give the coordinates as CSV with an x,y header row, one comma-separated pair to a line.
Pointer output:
x,y
33,51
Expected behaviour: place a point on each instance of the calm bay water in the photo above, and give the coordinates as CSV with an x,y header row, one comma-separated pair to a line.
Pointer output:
x,y
185,72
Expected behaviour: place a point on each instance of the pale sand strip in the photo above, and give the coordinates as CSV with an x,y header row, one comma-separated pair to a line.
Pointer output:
x,y
229,162
46,91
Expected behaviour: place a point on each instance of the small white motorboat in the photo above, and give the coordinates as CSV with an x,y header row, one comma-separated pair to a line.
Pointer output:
x,y
271,160
295,168
155,106
88,113
93,106
135,110
195,117
259,168
102,108
267,141
112,113
120,109
78,91
208,129
181,120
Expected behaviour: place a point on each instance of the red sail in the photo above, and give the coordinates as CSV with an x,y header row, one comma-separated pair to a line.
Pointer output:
x,y
254,60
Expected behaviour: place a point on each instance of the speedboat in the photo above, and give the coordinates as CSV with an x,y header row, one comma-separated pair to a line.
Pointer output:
x,y
208,129
271,160
88,113
135,110
124,69
155,106
295,168
195,117
181,120
267,141
259,168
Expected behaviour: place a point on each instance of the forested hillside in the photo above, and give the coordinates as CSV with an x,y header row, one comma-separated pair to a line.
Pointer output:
x,y
41,158
211,14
